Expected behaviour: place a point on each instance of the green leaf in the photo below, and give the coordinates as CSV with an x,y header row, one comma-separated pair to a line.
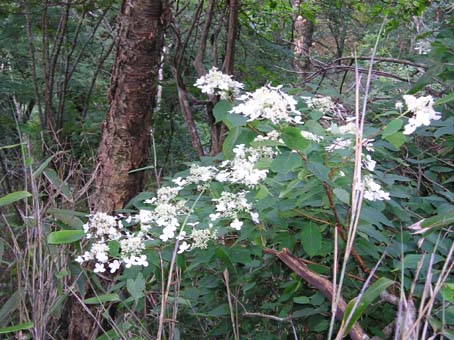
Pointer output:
x,y
65,236
286,162
221,254
311,239
433,223
237,135
448,292
222,113
302,300
11,146
397,139
445,99
96,300
392,127
44,165
342,194
68,217
13,197
58,184
371,293
293,139
136,287
9,306
319,170
20,327
114,248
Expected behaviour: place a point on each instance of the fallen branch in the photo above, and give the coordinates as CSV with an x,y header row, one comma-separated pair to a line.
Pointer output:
x,y
317,281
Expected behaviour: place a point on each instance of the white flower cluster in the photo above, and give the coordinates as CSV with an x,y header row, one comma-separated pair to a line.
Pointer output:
x,y
217,83
423,110
242,169
347,129
373,190
105,228
310,136
269,103
198,237
230,205
102,226
323,104
165,214
339,144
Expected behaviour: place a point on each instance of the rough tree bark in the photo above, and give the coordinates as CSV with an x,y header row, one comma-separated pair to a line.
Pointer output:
x,y
126,129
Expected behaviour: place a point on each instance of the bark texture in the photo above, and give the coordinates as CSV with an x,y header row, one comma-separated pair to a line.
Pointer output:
x,y
125,140
126,130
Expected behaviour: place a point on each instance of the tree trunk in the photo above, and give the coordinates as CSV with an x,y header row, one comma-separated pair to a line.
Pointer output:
x,y
303,30
126,129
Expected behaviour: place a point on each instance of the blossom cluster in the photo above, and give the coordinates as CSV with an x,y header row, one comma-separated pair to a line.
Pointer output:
x,y
269,103
168,217
217,83
230,206
105,229
423,110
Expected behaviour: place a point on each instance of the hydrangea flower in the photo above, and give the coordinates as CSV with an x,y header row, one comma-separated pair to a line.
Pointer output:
x,y
269,103
423,110
338,144
217,83
323,104
373,190
310,136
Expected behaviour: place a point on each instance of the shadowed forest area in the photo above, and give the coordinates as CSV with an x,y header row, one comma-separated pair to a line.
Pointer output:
x,y
235,169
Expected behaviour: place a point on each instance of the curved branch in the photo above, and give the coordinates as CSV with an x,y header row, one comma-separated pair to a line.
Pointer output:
x,y
317,281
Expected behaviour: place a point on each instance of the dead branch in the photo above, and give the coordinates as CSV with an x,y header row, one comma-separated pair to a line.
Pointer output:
x,y
317,281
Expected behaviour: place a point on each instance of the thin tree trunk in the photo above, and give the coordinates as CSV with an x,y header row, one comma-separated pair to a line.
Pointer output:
x,y
303,30
126,129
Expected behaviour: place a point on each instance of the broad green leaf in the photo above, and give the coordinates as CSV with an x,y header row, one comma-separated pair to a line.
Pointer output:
x,y
237,135
302,300
13,197
445,99
221,254
114,248
58,184
397,139
342,194
319,170
136,287
96,300
448,292
392,127
222,113
68,217
220,310
369,296
20,327
286,162
311,239
65,236
293,139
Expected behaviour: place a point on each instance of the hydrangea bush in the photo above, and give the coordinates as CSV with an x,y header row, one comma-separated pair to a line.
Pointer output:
x,y
276,146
